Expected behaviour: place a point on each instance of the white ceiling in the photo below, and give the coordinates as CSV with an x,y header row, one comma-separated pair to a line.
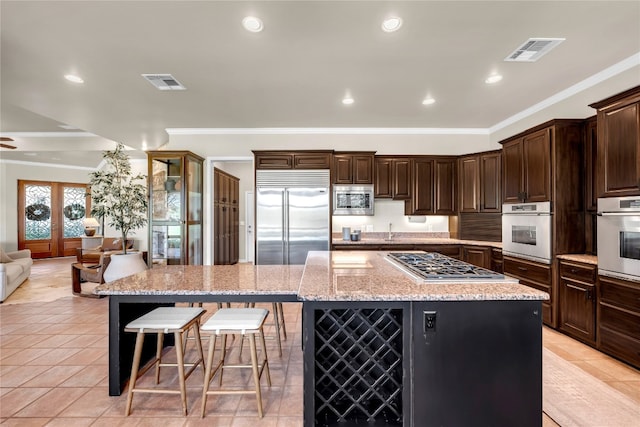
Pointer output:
x,y
294,73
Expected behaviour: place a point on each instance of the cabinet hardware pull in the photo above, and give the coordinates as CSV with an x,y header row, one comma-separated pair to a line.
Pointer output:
x,y
522,268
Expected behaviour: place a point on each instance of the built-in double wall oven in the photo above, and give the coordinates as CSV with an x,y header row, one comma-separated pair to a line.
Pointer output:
x,y
619,237
526,231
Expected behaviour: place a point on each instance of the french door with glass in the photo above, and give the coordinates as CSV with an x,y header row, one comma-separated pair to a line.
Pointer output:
x,y
50,217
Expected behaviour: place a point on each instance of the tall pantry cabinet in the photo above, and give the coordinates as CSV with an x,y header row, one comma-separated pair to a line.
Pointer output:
x,y
226,214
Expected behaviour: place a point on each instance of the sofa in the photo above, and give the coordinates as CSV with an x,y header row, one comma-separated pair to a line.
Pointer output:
x,y
15,268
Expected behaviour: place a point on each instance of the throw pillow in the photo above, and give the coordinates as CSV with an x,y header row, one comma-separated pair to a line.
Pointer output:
x,y
4,258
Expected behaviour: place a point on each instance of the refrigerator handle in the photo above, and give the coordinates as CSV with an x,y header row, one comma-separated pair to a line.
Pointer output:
x,y
285,227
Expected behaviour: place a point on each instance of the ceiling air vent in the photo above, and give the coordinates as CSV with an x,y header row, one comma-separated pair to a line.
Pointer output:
x,y
532,50
164,81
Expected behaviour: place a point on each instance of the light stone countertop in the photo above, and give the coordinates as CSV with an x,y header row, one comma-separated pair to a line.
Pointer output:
x,y
368,276
327,276
238,279
404,240
583,258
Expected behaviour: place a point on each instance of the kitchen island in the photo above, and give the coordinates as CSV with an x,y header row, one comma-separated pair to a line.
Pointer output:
x,y
379,347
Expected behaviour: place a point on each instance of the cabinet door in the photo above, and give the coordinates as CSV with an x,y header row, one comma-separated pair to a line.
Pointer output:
x,y
445,186
402,179
383,178
577,309
342,167
469,183
273,161
591,149
312,160
491,182
422,199
477,255
537,166
512,168
619,151
496,260
362,169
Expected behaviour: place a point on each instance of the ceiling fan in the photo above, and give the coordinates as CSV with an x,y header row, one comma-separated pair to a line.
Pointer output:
x,y
6,139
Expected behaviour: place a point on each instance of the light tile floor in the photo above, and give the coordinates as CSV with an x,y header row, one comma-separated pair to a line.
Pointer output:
x,y
53,367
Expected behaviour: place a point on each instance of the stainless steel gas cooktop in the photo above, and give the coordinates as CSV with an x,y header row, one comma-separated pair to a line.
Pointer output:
x,y
432,266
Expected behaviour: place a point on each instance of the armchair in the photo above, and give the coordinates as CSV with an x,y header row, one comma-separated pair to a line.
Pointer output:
x,y
109,244
81,273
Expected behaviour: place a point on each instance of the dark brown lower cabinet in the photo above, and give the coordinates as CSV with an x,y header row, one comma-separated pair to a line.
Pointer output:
x,y
618,332
496,260
477,255
536,275
577,284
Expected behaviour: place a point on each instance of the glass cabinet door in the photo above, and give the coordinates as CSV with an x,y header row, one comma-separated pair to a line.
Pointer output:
x,y
175,213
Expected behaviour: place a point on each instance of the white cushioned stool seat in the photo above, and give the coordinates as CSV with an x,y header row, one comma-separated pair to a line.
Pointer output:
x,y
160,321
228,321
165,319
236,319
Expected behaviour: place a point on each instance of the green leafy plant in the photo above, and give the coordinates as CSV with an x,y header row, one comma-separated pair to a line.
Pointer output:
x,y
119,196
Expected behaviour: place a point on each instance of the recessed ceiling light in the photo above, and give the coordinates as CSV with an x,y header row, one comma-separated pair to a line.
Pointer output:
x,y
347,100
68,127
494,78
30,154
73,78
391,24
428,101
252,24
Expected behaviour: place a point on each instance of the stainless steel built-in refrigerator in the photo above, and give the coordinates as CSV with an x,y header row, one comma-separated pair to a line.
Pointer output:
x,y
292,215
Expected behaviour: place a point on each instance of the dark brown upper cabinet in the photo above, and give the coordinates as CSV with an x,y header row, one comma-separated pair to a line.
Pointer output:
x,y
618,172
526,168
491,181
544,162
480,182
353,168
434,186
591,164
312,159
469,183
392,177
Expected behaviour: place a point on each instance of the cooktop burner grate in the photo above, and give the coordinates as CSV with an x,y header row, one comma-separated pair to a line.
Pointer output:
x,y
435,266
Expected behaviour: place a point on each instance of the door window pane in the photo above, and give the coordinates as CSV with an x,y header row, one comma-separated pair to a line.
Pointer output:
x,y
37,212
74,211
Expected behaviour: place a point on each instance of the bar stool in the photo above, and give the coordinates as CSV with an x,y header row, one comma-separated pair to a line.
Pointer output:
x,y
229,321
278,323
164,320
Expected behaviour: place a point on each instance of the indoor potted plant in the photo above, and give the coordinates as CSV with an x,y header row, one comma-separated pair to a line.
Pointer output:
x,y
120,197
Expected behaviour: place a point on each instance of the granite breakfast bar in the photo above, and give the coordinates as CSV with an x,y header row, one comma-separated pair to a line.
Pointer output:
x,y
379,348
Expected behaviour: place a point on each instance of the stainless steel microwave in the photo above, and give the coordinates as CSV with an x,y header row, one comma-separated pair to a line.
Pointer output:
x,y
353,199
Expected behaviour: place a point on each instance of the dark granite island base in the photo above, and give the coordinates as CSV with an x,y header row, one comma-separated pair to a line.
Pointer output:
x,y
446,355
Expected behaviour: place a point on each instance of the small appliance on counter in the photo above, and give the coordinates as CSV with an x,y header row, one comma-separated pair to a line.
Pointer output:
x,y
355,236
346,233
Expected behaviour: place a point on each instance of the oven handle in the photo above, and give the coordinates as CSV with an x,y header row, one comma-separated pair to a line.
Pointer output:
x,y
527,214
618,213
